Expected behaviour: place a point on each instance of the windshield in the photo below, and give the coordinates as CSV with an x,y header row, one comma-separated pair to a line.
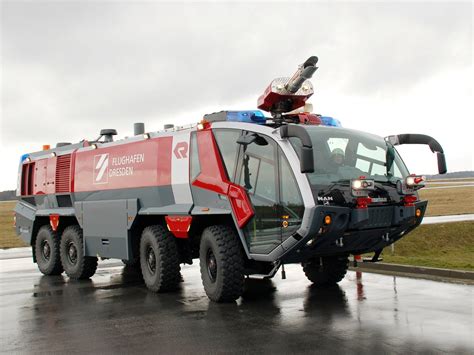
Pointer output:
x,y
342,154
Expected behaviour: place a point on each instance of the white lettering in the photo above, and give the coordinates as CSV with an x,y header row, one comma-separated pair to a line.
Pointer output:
x,y
128,159
124,171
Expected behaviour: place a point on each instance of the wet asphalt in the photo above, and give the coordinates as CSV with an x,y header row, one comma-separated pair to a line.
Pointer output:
x,y
114,313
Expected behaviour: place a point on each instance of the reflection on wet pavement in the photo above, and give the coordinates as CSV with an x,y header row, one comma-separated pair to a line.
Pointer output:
x,y
114,312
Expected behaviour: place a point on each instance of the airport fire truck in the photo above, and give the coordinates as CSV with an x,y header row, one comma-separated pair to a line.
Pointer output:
x,y
242,192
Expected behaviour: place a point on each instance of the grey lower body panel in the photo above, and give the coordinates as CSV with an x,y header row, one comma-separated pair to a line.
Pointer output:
x,y
106,227
25,218
154,196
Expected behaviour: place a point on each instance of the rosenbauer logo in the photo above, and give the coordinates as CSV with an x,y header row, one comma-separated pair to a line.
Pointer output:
x,y
101,169
181,150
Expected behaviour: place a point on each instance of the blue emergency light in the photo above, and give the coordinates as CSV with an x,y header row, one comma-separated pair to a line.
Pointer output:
x,y
237,116
246,116
330,121
23,157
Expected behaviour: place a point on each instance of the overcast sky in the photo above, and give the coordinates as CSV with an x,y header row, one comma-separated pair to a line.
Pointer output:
x,y
69,69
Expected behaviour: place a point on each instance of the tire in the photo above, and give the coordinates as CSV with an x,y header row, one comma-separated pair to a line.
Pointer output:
x,y
159,259
222,264
47,251
326,270
76,265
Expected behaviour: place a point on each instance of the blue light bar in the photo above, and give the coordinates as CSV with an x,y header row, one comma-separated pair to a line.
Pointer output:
x,y
23,157
237,116
246,116
330,121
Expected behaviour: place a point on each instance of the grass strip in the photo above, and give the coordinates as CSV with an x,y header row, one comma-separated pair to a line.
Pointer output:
x,y
443,245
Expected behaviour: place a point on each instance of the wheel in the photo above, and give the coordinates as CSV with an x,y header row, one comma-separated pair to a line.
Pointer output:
x,y
75,263
47,251
222,264
326,270
159,259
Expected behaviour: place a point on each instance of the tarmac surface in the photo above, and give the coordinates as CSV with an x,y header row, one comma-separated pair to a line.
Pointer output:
x,y
114,313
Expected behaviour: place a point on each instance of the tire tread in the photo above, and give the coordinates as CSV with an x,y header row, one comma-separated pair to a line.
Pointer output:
x,y
328,271
232,268
169,260
57,268
88,264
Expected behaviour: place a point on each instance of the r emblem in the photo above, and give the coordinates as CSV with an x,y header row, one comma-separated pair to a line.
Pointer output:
x,y
181,150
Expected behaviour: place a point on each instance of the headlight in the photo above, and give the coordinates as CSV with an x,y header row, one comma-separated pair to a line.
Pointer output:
x,y
411,184
361,187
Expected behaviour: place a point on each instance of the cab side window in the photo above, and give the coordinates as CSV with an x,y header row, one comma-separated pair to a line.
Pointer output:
x,y
291,202
226,140
258,173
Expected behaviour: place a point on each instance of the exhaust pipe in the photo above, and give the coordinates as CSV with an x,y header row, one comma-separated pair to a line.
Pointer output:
x,y
138,128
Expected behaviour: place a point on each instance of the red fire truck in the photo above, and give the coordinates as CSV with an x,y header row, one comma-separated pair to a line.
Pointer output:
x,y
241,192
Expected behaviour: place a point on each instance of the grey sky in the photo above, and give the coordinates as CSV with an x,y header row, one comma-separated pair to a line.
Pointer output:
x,y
71,68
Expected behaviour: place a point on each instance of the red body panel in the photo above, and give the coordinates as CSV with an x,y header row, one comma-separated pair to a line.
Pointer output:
x,y
51,175
73,169
213,177
39,185
131,165
54,221
179,225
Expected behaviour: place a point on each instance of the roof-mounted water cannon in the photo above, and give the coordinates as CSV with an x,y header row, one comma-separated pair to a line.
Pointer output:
x,y
288,94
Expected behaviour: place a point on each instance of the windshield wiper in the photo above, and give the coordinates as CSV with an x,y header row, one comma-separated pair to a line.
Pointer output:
x,y
341,182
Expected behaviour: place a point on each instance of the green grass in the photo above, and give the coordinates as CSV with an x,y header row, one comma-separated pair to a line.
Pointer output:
x,y
8,238
442,202
444,245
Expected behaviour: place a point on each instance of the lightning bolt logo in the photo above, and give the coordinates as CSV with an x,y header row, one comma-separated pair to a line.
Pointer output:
x,y
101,167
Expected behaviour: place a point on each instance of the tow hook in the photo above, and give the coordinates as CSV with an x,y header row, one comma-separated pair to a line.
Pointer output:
x,y
340,242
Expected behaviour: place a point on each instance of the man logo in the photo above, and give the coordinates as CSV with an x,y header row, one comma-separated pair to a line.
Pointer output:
x,y
101,169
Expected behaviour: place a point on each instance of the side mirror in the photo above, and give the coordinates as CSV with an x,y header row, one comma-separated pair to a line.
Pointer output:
x,y
247,139
442,169
306,156
422,139
251,138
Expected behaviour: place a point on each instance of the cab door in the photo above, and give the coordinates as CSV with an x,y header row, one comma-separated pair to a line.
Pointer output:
x,y
257,171
255,162
291,205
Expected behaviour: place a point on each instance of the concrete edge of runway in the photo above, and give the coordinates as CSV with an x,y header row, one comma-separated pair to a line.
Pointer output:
x,y
423,272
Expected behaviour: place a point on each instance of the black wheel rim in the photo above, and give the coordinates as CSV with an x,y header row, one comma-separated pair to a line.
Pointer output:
x,y
151,260
211,263
72,253
45,250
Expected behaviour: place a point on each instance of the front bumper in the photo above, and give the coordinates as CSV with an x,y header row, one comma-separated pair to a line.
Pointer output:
x,y
354,231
